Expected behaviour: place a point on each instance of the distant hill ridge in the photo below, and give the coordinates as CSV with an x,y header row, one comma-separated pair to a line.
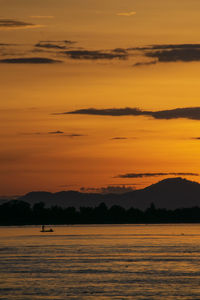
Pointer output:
x,y
170,193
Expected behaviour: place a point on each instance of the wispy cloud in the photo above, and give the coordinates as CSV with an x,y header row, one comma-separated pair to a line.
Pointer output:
x,y
60,45
49,46
141,175
111,189
94,54
7,45
126,14
119,138
56,132
120,50
149,63
192,113
137,56
29,60
15,24
74,135
63,42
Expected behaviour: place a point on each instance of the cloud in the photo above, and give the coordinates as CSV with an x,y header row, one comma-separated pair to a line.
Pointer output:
x,y
139,64
7,45
174,46
165,47
49,46
74,135
111,189
108,112
54,44
63,41
94,54
56,132
119,138
126,14
171,52
62,133
142,175
176,55
120,50
14,24
168,53
192,113
29,60
152,54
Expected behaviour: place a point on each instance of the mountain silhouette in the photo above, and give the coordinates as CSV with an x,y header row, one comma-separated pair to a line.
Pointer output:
x,y
169,193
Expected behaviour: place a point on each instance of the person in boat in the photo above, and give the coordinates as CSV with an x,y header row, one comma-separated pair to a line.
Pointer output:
x,y
46,230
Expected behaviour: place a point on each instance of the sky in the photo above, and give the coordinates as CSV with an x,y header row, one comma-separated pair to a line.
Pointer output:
x,y
98,94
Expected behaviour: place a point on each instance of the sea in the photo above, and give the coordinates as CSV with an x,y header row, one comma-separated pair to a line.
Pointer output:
x,y
100,262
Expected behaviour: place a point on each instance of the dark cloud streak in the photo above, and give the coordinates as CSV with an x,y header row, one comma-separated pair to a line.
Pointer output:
x,y
8,23
57,45
119,138
74,135
56,132
167,53
175,46
111,189
29,60
149,63
192,113
171,52
94,55
68,42
142,175
49,46
176,55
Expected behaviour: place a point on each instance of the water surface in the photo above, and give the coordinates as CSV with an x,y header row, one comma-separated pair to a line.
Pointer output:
x,y
100,262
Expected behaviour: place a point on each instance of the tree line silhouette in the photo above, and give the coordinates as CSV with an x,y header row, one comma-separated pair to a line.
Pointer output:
x,y
21,213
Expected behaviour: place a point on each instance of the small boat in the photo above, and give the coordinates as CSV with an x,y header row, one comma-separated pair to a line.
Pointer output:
x,y
46,230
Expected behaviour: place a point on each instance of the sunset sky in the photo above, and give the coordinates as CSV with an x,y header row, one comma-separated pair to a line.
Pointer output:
x,y
98,93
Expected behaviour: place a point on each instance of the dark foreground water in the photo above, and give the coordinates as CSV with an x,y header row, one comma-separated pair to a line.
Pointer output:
x,y
100,262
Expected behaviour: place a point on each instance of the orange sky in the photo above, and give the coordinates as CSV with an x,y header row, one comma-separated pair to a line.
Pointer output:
x,y
60,56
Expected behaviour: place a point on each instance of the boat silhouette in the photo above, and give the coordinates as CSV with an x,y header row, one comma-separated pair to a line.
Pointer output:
x,y
46,230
